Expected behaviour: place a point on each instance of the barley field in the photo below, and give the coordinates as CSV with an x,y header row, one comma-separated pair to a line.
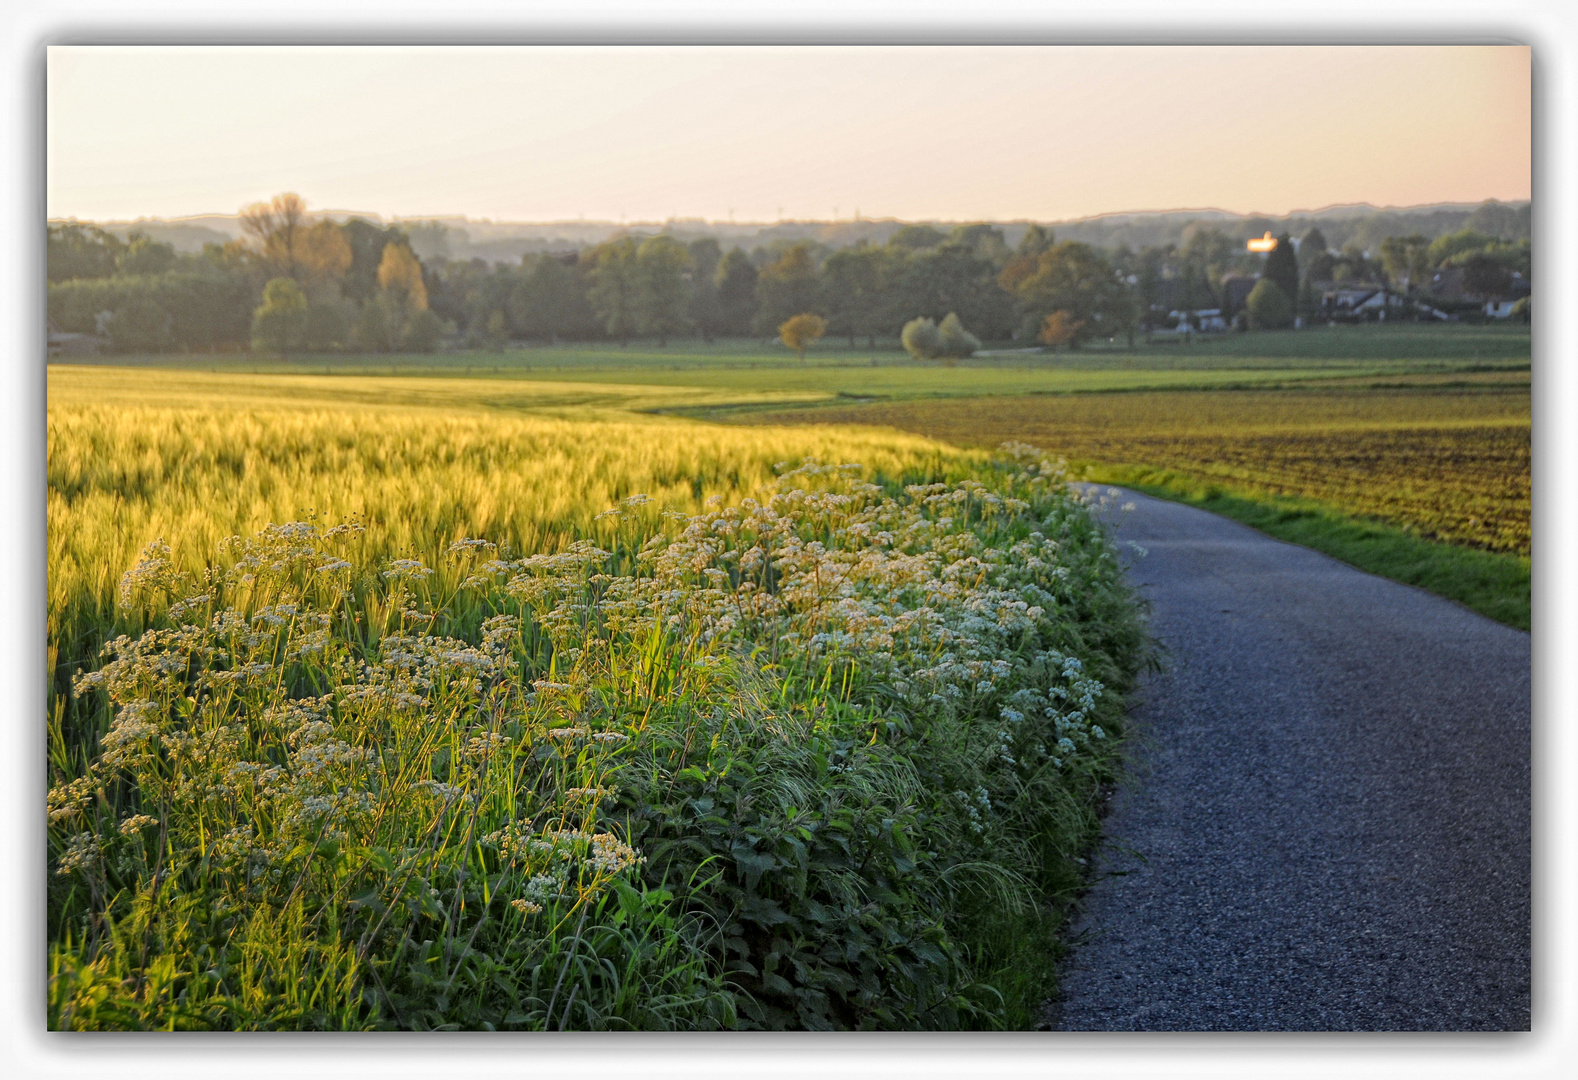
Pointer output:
x,y
544,714
138,456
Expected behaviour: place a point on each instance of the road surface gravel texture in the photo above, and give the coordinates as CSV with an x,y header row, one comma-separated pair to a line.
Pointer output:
x,y
1326,821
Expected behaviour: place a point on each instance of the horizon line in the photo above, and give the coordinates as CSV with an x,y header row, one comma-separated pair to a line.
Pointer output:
x,y
405,218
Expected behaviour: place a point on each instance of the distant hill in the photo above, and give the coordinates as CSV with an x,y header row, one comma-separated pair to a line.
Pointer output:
x,y
498,241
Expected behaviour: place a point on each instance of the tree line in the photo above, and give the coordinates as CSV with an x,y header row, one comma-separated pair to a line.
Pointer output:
x,y
295,284
289,284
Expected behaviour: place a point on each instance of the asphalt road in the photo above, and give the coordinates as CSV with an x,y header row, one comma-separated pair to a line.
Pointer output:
x,y
1326,825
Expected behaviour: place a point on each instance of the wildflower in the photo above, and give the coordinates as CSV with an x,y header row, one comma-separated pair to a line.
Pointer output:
x,y
154,571
543,887
82,851
484,746
525,907
596,794
407,569
127,740
610,855
68,800
136,823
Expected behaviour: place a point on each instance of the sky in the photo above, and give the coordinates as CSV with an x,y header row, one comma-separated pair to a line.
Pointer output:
x,y
765,133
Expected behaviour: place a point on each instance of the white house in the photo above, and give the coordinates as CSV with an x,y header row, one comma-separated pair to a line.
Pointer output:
x,y
1206,320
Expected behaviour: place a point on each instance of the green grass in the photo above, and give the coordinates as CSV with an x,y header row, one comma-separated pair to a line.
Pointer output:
x,y
698,378
1423,343
1494,584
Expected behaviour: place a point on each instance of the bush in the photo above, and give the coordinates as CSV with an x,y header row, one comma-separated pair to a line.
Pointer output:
x,y
1060,328
921,339
772,768
1269,307
954,341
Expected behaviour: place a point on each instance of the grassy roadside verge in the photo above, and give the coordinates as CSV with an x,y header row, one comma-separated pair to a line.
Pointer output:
x,y
831,760
1495,585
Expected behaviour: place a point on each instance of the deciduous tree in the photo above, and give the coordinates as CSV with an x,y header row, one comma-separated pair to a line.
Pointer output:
x,y
786,287
142,255
81,251
615,291
854,293
1059,329
323,254
276,227
1075,278
706,310
736,281
400,275
663,288
1485,276
801,331
280,322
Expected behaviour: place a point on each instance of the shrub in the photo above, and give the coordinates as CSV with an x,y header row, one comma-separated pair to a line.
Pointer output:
x,y
1060,328
954,341
1269,307
921,339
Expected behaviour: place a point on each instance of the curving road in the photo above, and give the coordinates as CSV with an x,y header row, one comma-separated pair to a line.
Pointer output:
x,y
1327,822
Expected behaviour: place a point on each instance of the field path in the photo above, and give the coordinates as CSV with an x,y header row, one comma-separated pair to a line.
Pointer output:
x,y
1326,826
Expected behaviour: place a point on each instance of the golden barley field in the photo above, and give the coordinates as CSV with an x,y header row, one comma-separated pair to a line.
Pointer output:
x,y
548,715
134,456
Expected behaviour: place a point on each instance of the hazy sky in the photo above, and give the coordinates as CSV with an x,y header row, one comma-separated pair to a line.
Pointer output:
x,y
648,133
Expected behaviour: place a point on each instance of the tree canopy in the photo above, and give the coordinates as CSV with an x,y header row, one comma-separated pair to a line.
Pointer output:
x,y
1269,307
799,332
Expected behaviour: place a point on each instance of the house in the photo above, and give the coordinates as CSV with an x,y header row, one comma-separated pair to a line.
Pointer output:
x,y
1205,320
62,343
1235,291
1360,301
1447,284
